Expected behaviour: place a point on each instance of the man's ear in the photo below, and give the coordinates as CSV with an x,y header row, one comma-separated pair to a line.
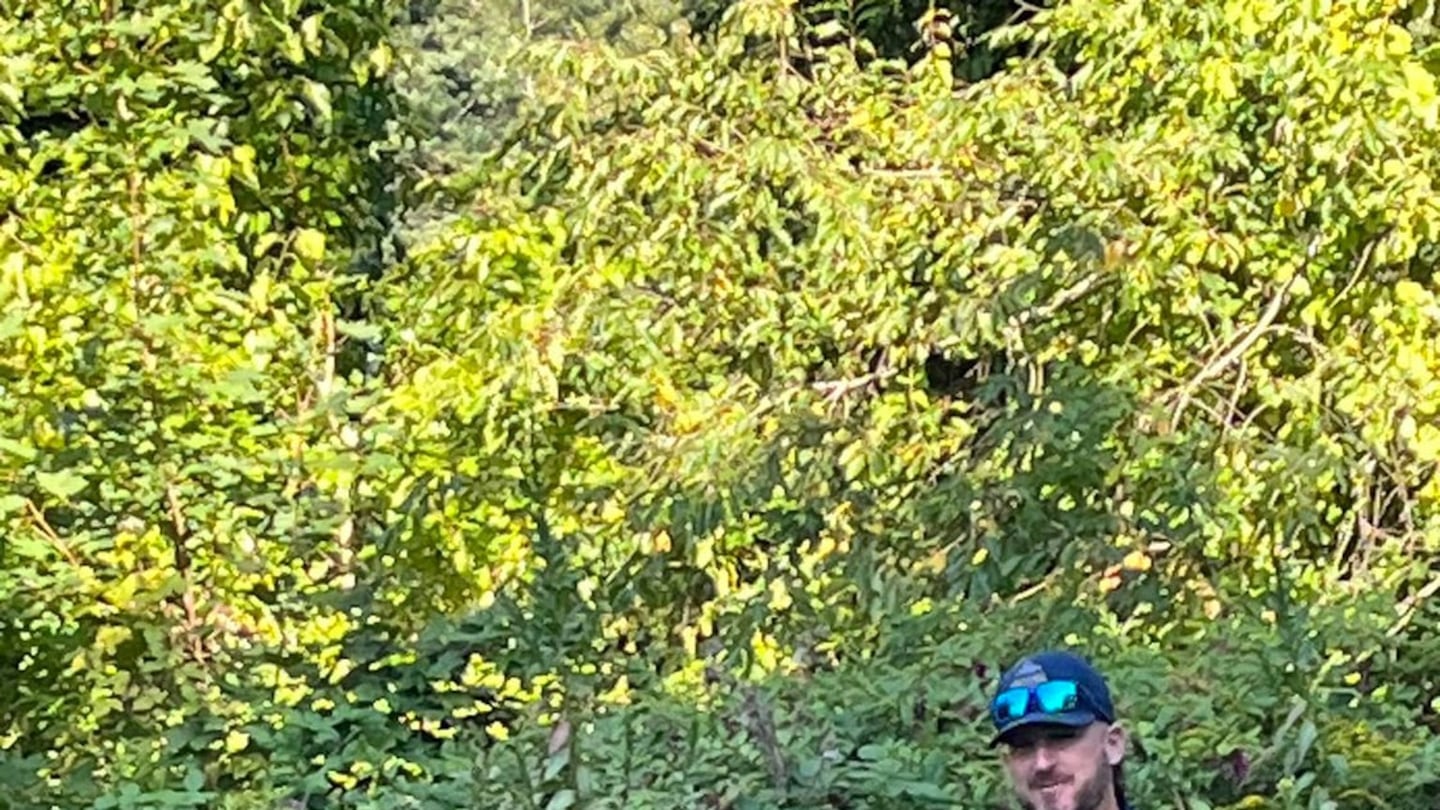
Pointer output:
x,y
1115,739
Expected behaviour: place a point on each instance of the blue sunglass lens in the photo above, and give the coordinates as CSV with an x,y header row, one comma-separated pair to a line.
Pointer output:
x,y
1011,704
1050,698
1056,696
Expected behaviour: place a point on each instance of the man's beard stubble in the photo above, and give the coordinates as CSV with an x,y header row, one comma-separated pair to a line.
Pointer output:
x,y
1091,794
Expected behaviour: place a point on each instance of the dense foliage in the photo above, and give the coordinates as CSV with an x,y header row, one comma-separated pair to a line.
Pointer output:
x,y
475,404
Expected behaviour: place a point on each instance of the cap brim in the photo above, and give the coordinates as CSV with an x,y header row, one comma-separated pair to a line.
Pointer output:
x,y
1076,719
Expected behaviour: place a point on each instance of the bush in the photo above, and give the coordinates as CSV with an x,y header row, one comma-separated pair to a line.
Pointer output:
x,y
734,414
1223,715
192,193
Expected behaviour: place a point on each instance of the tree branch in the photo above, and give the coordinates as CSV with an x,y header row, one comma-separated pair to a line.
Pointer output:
x,y
1239,347
50,534
1063,299
1412,605
836,390
179,537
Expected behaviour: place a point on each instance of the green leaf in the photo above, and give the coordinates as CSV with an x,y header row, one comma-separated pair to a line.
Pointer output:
x,y
310,245
358,330
1418,81
61,485
10,95
194,780
212,48
22,450
236,741
318,97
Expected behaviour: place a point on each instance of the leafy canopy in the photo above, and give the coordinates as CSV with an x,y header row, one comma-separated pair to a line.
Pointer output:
x,y
448,414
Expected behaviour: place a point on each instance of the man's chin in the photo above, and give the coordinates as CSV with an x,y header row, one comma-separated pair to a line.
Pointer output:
x,y
1060,797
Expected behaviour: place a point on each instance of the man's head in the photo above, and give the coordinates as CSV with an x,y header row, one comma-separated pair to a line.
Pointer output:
x,y
1053,714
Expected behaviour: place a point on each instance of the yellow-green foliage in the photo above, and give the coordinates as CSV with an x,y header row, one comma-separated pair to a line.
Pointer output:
x,y
740,403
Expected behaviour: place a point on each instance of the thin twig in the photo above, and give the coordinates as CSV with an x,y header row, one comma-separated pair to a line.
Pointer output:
x,y
759,720
927,173
836,390
1235,352
180,536
1411,606
325,387
181,533
134,186
1360,266
1235,395
1045,583
1065,298
50,534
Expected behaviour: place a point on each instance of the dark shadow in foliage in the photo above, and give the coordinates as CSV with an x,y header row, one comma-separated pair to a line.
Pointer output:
x,y
899,29
1039,466
1054,510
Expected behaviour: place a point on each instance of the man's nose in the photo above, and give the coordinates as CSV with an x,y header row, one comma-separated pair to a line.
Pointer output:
x,y
1045,754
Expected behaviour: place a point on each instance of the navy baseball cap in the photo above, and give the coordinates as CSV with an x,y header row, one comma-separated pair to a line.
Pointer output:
x,y
1053,687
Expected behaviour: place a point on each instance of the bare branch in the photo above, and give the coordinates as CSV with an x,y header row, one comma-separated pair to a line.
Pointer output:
x,y
1411,606
836,390
50,534
1237,349
1065,298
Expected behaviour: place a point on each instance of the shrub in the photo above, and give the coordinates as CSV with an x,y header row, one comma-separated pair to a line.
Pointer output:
x,y
763,393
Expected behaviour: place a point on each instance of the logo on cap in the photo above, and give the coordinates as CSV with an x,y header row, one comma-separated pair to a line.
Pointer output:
x,y
1029,673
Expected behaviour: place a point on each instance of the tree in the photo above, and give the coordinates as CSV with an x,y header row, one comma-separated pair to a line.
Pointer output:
x,y
738,404
192,192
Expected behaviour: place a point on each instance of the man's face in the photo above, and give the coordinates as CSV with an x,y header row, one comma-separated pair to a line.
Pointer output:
x,y
1060,768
